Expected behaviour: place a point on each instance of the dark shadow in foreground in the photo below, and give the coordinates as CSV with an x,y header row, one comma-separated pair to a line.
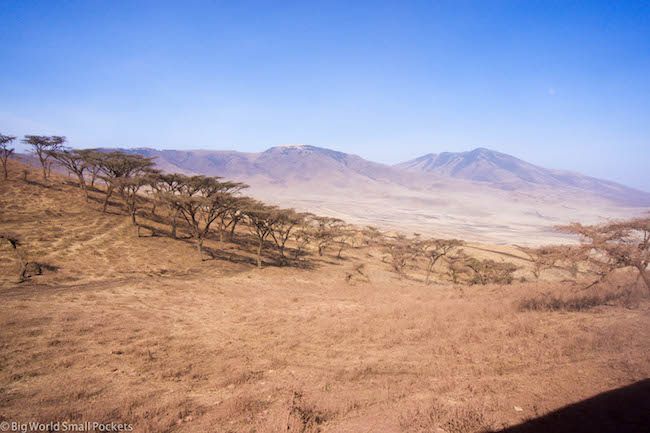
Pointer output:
x,y
623,410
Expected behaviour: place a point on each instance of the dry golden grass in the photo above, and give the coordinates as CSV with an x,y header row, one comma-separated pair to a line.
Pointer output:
x,y
137,330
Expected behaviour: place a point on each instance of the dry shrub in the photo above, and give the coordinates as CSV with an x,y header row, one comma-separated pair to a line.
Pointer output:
x,y
304,417
549,302
437,416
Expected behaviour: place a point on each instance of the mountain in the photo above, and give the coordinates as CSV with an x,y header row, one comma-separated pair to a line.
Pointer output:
x,y
281,165
480,195
507,172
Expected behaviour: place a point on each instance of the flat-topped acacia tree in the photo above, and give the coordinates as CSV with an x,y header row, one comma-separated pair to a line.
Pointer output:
x,y
286,221
165,189
615,245
261,221
433,250
5,151
117,167
128,188
327,229
43,146
75,161
201,200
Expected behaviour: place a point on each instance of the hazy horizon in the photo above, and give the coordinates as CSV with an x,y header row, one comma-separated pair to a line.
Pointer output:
x,y
563,86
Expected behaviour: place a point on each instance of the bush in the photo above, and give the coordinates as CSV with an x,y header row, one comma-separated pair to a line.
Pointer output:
x,y
548,302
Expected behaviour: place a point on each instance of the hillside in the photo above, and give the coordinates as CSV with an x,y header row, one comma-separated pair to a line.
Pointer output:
x,y
138,330
479,196
510,173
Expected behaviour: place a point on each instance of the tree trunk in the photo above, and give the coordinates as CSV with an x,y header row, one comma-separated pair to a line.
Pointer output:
x,y
644,275
109,192
199,246
153,208
92,180
174,228
220,237
4,167
259,254
82,185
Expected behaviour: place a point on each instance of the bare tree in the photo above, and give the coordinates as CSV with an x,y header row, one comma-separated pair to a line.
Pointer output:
x,y
5,151
41,146
615,245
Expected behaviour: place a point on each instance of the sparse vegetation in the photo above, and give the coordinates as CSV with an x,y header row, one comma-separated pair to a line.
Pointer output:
x,y
615,245
351,340
6,150
43,146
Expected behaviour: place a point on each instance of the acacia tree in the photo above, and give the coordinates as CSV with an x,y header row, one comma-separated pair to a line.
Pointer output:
x,y
488,271
342,237
5,151
236,214
92,157
551,256
42,147
372,235
128,188
615,245
75,162
327,228
229,213
458,265
435,249
286,221
201,201
117,167
166,189
261,220
401,254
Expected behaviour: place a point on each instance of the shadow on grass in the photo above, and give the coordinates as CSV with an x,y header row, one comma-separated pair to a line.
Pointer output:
x,y
622,410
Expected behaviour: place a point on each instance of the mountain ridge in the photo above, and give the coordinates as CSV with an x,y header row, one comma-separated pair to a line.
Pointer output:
x,y
284,164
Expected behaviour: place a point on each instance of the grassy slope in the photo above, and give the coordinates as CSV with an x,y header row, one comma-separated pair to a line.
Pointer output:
x,y
138,330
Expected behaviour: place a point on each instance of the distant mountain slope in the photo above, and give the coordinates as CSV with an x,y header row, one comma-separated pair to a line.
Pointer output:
x,y
284,165
510,173
479,195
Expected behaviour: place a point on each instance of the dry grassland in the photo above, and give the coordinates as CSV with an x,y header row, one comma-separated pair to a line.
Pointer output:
x,y
138,330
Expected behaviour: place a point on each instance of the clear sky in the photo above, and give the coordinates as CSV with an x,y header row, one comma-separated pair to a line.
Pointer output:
x,y
561,84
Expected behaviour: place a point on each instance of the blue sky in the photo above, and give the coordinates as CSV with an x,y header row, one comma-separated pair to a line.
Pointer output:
x,y
560,84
